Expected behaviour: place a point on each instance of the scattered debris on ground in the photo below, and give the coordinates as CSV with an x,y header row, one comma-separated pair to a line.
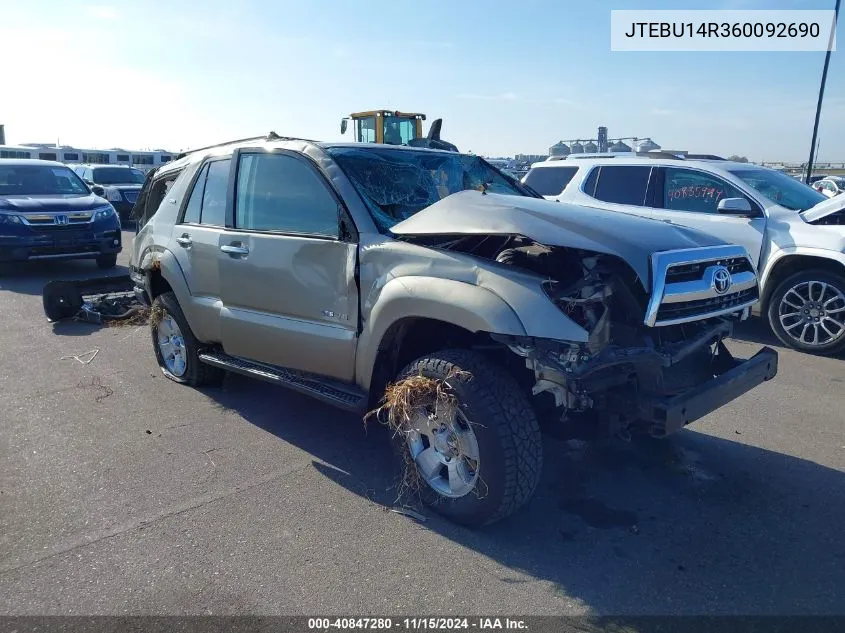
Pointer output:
x,y
108,301
85,357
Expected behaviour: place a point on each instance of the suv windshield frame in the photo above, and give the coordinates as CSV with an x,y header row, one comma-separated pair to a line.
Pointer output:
x,y
377,173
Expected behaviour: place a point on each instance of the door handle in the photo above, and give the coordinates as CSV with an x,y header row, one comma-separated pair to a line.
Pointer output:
x,y
232,250
184,240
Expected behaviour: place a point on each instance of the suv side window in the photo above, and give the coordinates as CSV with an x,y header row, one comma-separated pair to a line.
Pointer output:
x,y
621,184
214,197
690,190
192,210
550,181
279,192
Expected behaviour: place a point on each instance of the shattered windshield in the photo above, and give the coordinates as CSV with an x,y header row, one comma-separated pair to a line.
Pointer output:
x,y
397,183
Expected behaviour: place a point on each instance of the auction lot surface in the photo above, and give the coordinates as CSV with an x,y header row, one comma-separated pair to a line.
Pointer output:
x,y
122,492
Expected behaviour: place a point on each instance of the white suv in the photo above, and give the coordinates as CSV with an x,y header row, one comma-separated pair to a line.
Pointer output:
x,y
794,233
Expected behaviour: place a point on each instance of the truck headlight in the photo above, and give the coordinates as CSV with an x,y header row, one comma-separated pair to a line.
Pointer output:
x,y
104,213
9,218
113,195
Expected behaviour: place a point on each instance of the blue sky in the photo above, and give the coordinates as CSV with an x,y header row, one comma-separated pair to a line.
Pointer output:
x,y
506,77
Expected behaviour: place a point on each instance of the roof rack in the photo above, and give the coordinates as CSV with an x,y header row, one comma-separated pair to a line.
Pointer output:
x,y
705,157
271,136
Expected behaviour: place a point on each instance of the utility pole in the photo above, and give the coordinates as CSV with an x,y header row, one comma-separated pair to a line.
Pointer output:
x,y
821,91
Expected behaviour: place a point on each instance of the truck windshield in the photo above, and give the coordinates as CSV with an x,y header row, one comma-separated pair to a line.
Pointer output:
x,y
39,180
780,188
118,176
397,183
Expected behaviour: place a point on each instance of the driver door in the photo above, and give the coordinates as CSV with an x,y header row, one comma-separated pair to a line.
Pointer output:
x,y
287,277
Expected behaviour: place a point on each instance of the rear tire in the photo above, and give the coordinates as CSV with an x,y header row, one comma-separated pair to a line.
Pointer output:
x,y
107,261
494,409
810,295
179,357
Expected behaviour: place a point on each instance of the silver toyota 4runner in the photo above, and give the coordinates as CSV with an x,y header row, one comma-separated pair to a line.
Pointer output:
x,y
339,269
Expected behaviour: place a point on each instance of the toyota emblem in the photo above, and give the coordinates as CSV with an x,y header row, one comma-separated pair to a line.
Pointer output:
x,y
721,280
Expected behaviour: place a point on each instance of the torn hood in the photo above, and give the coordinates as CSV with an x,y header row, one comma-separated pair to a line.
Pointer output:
x,y
629,237
824,208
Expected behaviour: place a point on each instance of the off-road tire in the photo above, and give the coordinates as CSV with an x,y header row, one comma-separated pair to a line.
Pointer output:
x,y
509,441
197,374
107,261
830,349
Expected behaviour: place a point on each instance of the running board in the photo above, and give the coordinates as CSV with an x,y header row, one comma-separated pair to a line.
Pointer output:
x,y
333,392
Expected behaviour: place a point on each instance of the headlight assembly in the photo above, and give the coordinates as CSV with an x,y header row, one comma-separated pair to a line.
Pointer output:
x,y
103,213
9,218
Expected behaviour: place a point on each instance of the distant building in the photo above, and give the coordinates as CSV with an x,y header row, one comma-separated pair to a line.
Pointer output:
x,y
142,159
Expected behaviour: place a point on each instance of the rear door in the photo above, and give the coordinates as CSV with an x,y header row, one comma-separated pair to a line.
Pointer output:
x,y
195,241
690,197
287,271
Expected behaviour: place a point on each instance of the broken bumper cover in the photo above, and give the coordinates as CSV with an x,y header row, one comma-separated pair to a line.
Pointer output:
x,y
671,414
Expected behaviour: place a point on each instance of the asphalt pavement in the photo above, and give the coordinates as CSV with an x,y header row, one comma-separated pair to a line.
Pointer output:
x,y
124,493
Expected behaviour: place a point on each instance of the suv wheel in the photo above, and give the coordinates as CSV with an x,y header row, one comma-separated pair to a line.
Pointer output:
x,y
481,461
176,348
807,312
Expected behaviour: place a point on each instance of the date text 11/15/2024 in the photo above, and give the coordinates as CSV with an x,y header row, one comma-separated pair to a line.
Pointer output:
x,y
415,624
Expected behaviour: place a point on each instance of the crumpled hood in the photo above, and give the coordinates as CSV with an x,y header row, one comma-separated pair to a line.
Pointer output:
x,y
824,208
629,237
57,203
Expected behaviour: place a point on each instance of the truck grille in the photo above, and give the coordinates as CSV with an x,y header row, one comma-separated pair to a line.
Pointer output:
x,y
700,283
684,309
694,272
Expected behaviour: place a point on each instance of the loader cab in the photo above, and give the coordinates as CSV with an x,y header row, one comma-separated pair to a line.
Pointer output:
x,y
384,126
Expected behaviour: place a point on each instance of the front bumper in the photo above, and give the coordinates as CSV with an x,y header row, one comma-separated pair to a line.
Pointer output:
x,y
669,415
60,245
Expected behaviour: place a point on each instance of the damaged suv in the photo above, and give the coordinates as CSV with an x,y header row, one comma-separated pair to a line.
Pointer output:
x,y
483,312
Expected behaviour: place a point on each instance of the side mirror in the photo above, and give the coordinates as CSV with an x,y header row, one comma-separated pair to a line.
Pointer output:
x,y
735,206
343,124
97,190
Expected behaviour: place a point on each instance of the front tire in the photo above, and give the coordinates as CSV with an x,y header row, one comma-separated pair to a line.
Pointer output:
x,y
176,347
484,462
807,312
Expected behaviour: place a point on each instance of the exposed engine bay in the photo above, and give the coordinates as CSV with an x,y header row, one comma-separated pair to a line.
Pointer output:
x,y
614,377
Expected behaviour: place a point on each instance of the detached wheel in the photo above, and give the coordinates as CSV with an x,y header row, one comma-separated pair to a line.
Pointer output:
x,y
176,348
478,462
807,312
107,261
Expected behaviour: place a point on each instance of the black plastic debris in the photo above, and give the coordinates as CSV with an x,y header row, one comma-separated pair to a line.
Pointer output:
x,y
95,300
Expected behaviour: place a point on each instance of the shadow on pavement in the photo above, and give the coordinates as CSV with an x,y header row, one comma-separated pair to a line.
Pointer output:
x,y
693,525
755,330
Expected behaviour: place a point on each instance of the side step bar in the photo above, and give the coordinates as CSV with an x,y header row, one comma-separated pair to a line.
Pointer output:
x,y
332,392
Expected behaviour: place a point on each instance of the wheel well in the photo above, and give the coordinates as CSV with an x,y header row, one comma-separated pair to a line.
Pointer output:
x,y
411,338
158,284
792,264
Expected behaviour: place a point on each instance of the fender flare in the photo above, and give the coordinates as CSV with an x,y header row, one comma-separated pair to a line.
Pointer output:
x,y
468,306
